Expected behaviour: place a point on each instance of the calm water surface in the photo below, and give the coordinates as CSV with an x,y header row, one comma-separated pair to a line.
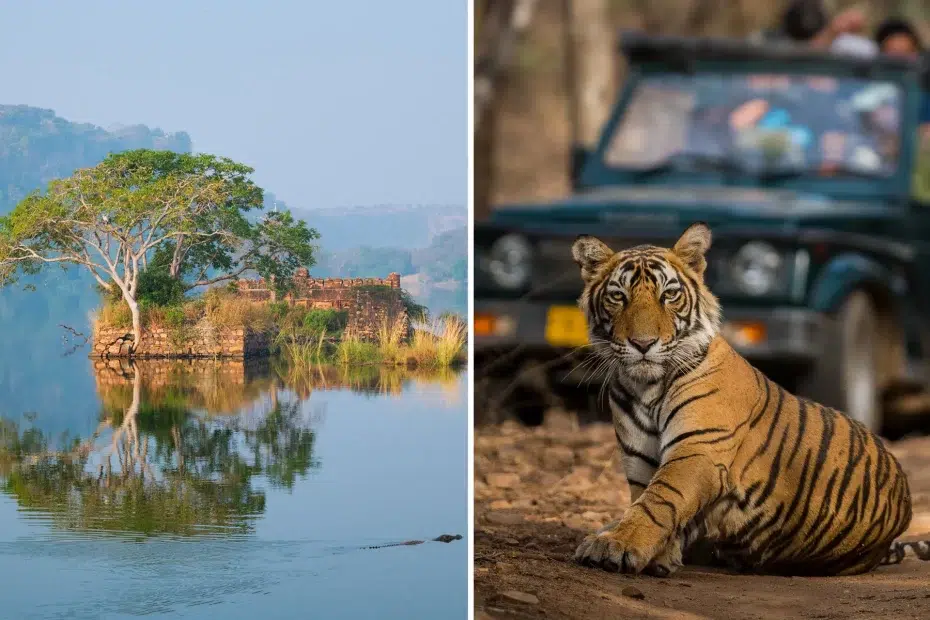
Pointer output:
x,y
231,491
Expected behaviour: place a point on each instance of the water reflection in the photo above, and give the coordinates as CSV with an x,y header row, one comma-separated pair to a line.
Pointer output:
x,y
372,380
183,449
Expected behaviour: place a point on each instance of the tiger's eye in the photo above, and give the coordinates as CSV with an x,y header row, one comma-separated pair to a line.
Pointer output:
x,y
616,297
670,295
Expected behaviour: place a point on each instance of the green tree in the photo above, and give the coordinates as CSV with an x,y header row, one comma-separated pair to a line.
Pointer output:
x,y
188,214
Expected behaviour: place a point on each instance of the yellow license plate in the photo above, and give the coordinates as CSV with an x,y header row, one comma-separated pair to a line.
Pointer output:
x,y
566,327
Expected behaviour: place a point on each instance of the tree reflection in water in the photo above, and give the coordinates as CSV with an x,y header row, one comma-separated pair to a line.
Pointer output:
x,y
183,448
157,466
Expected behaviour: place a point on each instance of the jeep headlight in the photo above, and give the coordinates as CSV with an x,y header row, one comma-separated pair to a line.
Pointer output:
x,y
510,261
757,269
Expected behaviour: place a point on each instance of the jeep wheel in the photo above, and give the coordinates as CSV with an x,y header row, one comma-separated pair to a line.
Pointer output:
x,y
845,377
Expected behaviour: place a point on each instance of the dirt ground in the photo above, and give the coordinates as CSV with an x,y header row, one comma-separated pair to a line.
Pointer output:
x,y
539,491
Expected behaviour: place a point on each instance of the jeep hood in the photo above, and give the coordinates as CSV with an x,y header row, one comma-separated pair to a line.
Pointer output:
x,y
665,208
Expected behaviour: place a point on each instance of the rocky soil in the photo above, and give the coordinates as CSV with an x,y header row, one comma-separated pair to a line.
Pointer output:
x,y
539,491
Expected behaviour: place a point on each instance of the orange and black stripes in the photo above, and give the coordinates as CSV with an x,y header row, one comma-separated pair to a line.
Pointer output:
x,y
716,454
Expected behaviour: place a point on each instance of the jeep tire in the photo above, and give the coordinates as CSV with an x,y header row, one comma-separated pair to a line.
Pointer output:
x,y
845,377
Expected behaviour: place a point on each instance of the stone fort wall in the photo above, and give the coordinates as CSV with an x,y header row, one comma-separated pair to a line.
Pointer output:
x,y
308,288
369,302
114,342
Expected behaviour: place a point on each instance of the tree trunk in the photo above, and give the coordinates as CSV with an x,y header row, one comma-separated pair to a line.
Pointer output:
x,y
591,68
176,258
484,163
136,323
499,26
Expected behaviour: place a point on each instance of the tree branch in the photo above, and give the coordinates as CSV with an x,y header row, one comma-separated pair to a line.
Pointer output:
x,y
222,278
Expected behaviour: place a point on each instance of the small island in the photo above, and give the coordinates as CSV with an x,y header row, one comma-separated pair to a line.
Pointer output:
x,y
245,319
190,265
352,320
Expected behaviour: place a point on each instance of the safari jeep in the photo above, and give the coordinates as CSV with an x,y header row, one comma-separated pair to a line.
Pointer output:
x,y
802,165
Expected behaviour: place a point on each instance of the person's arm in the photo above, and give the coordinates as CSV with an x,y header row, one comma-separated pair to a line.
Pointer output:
x,y
849,21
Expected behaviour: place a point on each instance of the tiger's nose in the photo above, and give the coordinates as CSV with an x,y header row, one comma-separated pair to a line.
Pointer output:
x,y
642,344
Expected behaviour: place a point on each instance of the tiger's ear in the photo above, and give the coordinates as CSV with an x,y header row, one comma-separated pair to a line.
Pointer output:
x,y
590,253
692,245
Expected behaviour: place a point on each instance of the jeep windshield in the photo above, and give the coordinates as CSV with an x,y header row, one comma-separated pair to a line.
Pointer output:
x,y
773,126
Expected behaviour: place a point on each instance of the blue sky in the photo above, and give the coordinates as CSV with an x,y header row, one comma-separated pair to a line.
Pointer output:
x,y
334,103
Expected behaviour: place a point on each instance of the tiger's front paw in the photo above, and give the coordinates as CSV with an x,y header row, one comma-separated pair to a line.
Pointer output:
x,y
613,548
666,562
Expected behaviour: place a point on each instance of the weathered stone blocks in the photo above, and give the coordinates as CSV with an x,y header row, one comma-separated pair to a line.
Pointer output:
x,y
110,342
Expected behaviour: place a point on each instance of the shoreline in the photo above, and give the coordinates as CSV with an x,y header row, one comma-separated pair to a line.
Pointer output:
x,y
458,363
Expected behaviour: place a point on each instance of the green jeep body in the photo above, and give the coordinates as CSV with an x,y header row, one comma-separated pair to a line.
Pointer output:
x,y
820,255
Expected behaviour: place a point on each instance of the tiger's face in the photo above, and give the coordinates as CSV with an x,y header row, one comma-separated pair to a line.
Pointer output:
x,y
648,310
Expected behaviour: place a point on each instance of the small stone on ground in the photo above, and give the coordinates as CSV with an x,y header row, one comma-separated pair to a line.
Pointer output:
x,y
523,597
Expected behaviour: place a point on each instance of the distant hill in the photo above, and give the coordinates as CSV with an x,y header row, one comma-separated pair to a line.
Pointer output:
x,y
398,226
37,146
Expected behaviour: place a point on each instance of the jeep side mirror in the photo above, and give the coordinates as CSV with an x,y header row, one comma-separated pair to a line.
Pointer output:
x,y
578,158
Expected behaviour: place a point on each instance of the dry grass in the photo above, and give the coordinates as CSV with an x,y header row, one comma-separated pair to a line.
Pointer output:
x,y
435,345
439,343
218,307
112,314
391,337
225,309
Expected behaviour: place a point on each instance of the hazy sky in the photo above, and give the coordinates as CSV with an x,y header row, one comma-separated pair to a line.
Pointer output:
x,y
334,103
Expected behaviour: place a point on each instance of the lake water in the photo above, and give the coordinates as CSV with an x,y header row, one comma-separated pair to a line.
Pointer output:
x,y
191,490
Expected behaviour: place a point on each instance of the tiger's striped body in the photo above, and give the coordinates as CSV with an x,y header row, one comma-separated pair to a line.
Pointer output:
x,y
715,453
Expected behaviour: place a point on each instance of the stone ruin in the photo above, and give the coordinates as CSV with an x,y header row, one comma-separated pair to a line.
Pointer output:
x,y
369,303
368,307
309,289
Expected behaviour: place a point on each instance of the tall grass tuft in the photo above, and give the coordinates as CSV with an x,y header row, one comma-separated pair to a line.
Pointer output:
x,y
439,343
353,351
113,314
302,349
451,339
391,336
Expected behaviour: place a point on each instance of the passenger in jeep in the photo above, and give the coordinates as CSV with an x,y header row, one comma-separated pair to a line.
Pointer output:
x,y
806,22
899,37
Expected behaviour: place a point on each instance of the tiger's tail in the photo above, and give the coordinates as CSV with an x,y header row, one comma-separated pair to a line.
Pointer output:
x,y
898,550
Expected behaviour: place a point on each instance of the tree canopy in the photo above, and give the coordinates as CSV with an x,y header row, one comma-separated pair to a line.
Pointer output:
x,y
37,147
190,216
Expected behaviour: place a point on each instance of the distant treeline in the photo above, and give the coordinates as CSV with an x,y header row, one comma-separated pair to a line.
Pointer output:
x,y
446,258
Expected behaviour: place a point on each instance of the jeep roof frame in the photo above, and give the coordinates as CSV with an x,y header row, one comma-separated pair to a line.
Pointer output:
x,y
639,48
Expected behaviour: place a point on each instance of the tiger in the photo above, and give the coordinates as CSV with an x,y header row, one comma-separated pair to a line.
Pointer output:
x,y
720,460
